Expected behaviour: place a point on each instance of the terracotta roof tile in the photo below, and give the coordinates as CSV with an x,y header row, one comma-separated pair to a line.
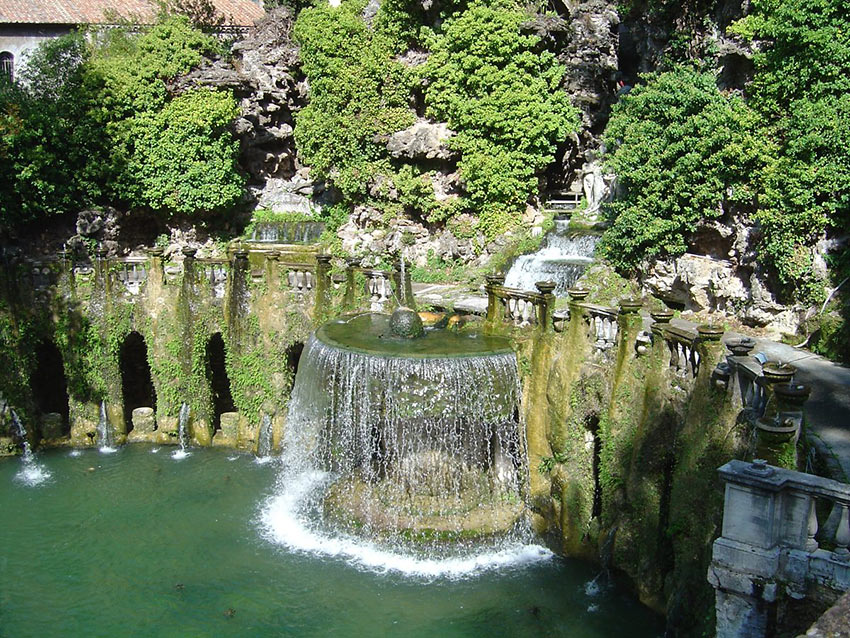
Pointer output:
x,y
236,12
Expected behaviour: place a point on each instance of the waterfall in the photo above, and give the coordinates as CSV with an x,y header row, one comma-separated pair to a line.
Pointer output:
x,y
182,432
264,441
105,438
563,257
31,473
386,458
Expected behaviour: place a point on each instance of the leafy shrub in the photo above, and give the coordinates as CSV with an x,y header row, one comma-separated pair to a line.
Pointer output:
x,y
499,90
684,153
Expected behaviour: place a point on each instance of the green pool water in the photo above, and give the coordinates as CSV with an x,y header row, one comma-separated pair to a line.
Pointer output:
x,y
137,543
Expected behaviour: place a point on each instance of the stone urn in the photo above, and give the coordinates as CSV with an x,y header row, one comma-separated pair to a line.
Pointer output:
x,y
629,306
495,280
578,294
710,332
661,316
545,287
189,252
775,372
741,347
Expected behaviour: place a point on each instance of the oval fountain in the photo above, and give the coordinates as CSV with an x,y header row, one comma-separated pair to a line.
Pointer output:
x,y
403,449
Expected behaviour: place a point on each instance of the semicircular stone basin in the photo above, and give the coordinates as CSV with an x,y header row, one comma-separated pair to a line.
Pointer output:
x,y
422,434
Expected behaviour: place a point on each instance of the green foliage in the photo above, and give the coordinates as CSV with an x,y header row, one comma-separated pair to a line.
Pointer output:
x,y
684,153
800,89
176,153
184,158
437,270
500,92
53,157
358,94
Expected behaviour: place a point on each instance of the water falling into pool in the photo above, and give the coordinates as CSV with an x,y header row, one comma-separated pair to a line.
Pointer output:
x,y
31,472
563,257
404,455
182,433
105,439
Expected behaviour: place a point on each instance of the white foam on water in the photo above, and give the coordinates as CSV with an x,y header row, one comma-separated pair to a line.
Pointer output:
x,y
32,474
284,521
179,455
263,460
154,450
75,453
107,449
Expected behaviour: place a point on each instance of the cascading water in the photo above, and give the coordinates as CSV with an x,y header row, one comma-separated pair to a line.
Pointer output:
x,y
393,447
182,432
105,439
264,441
31,473
563,258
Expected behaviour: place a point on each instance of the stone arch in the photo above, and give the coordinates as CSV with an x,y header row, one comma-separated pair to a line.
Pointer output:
x,y
293,357
7,65
137,389
219,381
50,388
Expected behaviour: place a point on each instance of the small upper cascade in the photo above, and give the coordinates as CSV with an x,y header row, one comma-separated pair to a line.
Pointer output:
x,y
563,257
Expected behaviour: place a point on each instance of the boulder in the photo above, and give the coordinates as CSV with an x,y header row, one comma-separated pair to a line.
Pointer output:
x,y
423,140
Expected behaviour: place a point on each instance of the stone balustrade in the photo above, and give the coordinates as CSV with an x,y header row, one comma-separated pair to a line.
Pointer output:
x,y
602,325
129,272
786,536
378,288
299,278
520,308
684,356
215,273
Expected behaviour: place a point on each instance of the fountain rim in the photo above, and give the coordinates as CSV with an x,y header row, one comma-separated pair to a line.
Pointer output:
x,y
321,335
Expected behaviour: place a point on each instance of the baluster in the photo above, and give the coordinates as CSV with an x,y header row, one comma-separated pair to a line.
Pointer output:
x,y
696,361
527,309
309,280
812,527
842,534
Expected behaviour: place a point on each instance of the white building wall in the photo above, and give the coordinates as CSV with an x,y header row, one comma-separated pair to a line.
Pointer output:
x,y
19,40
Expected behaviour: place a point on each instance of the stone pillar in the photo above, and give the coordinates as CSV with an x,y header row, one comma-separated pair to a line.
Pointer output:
x,y
155,269
492,282
272,271
544,317
779,429
322,285
350,282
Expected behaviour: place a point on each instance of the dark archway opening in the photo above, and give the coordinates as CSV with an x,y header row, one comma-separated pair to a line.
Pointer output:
x,y
293,357
48,383
218,379
591,424
137,389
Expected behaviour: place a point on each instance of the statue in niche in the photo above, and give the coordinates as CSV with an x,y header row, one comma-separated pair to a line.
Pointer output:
x,y
596,185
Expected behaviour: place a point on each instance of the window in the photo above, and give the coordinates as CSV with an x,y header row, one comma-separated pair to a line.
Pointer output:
x,y
7,65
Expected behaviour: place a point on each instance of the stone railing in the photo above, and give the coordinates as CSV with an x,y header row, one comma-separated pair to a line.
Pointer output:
x,y
299,278
214,273
602,325
381,289
684,357
520,308
129,272
785,534
378,288
43,273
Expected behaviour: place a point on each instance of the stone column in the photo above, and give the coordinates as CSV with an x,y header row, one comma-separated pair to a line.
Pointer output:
x,y
322,285
544,317
350,282
492,282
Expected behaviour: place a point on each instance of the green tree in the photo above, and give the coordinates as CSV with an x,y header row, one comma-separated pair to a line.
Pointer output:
x,y
358,95
500,90
176,153
684,153
53,153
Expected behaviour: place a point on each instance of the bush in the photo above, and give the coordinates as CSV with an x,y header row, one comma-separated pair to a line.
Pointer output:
x,y
684,153
500,91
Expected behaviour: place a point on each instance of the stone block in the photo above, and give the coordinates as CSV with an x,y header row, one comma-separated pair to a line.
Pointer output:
x,y
51,425
230,425
144,420
168,424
